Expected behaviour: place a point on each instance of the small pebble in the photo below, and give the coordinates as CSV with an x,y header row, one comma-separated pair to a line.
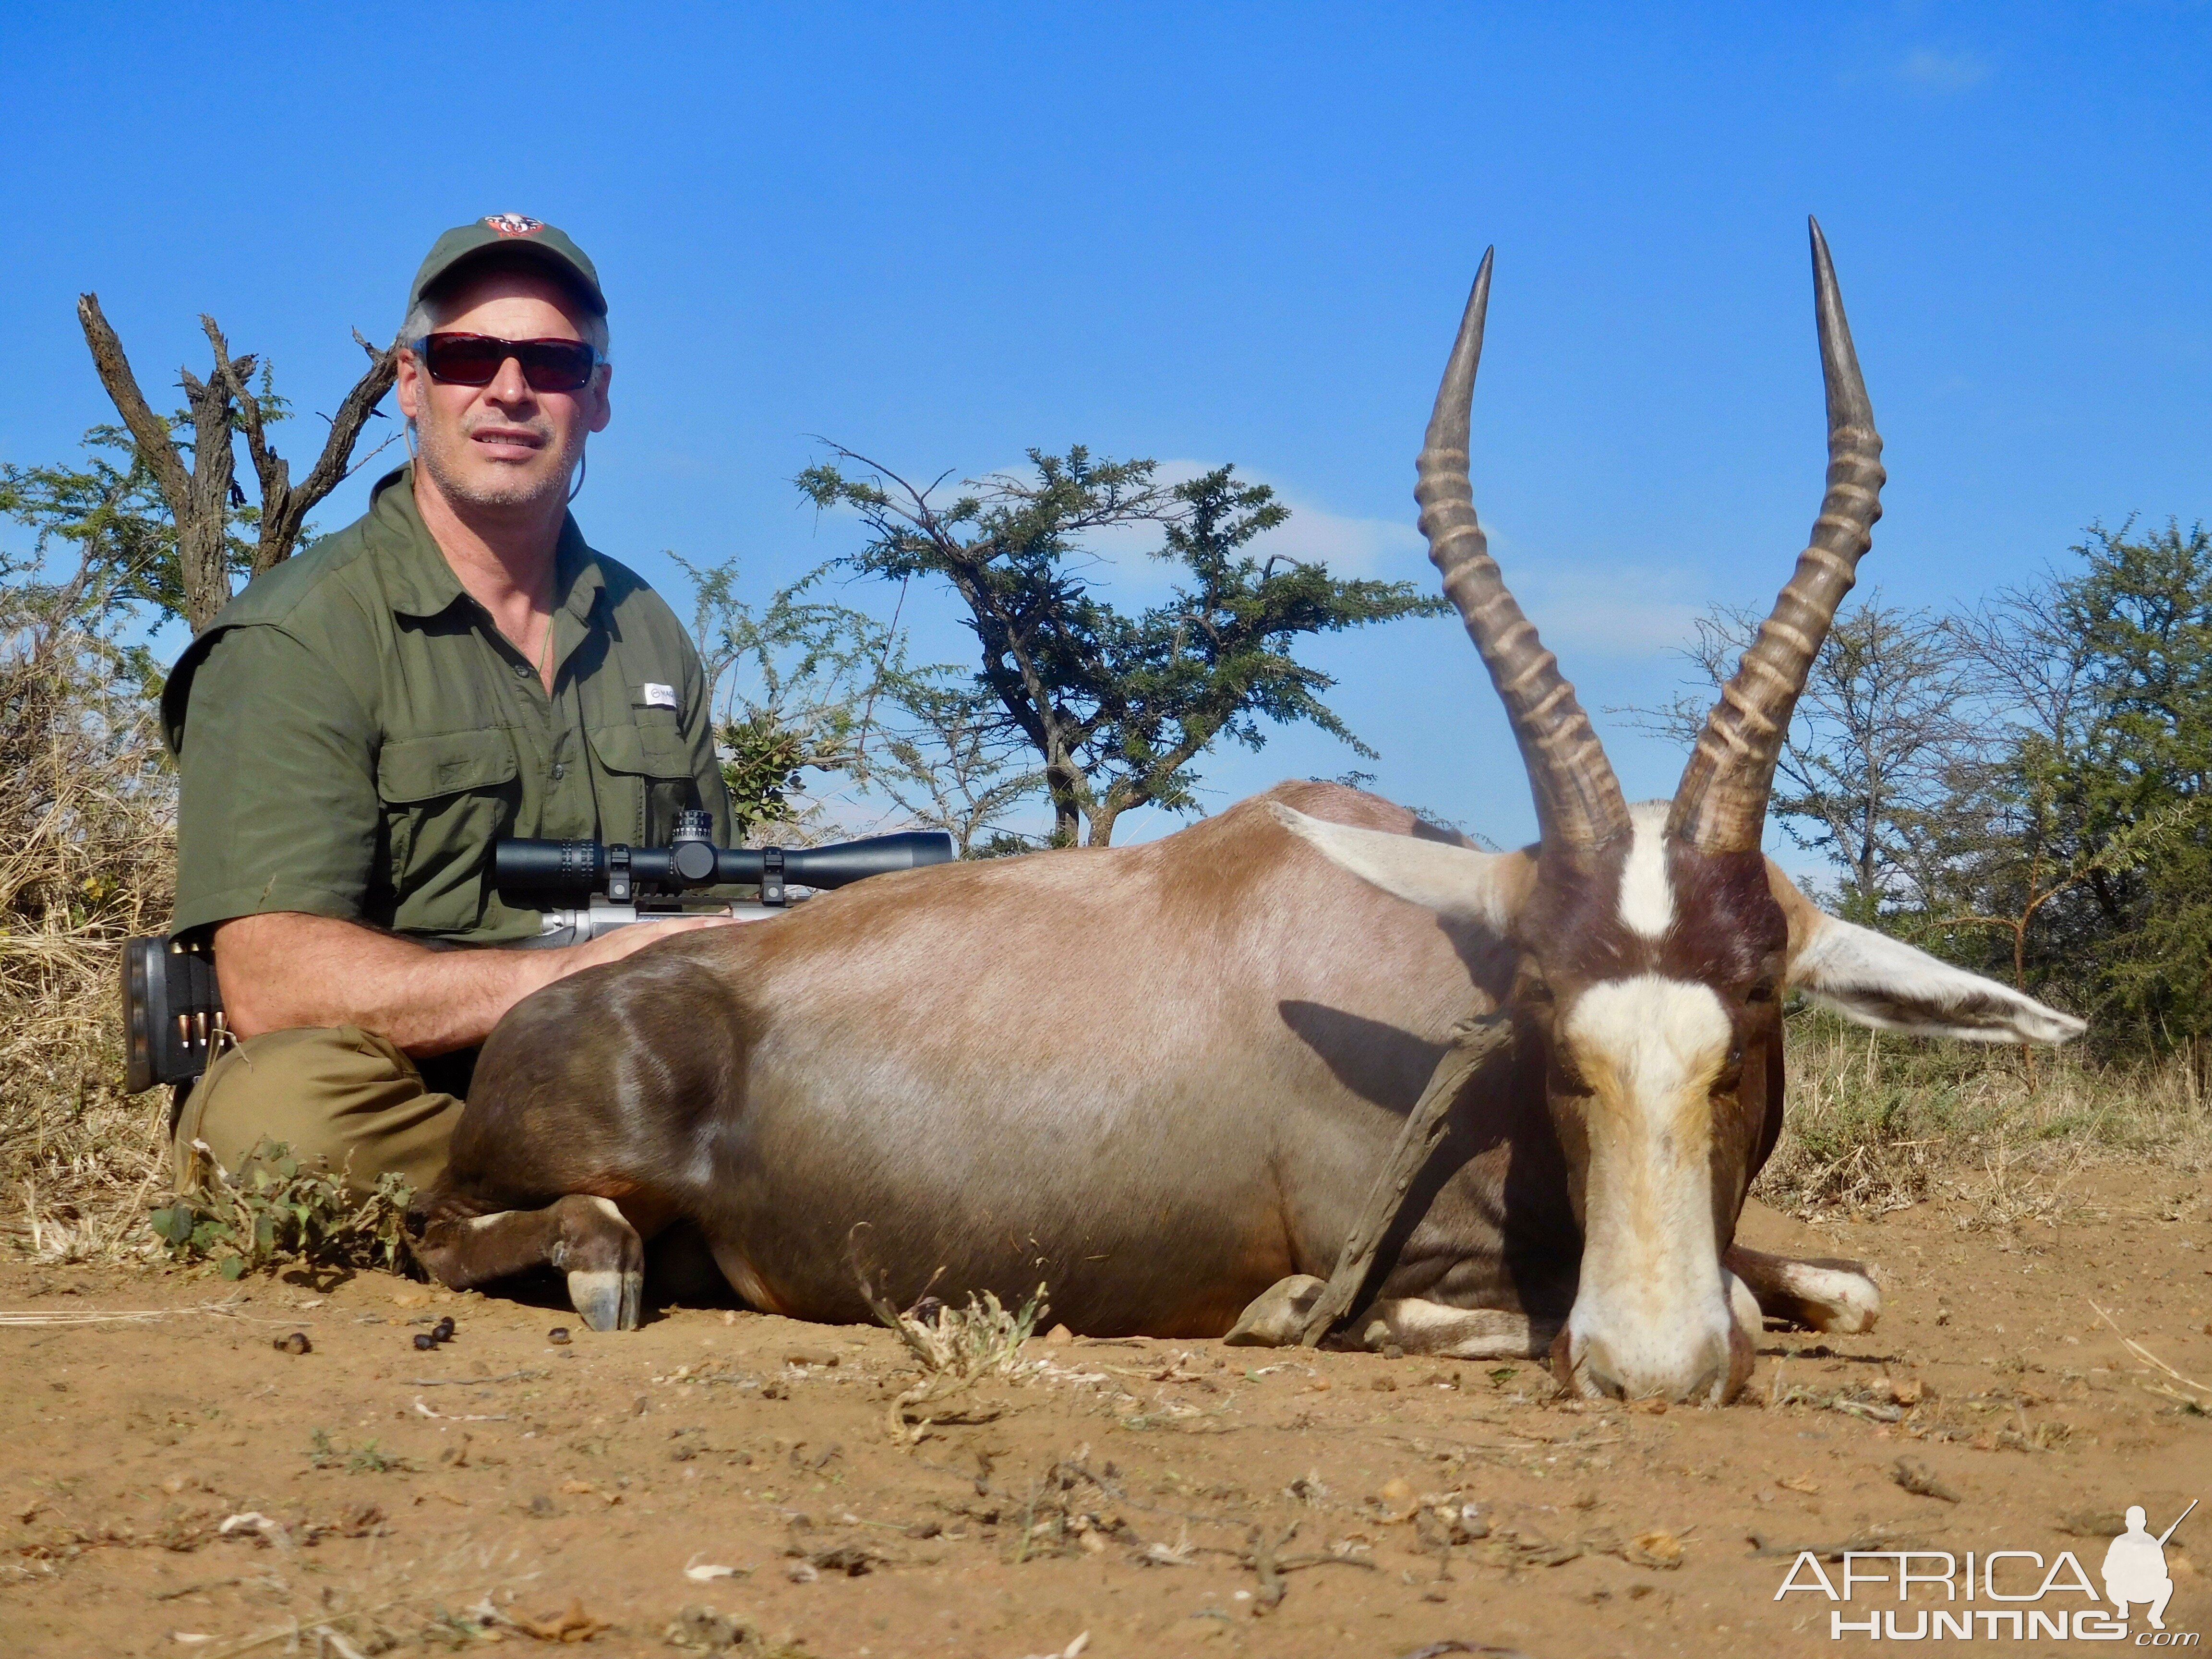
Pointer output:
x,y
557,1335
296,1343
425,1341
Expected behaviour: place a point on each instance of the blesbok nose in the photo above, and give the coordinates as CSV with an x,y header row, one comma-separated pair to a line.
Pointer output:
x,y
1638,1352
1704,1365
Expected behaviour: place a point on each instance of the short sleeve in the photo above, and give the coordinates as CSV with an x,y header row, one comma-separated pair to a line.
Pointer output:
x,y
278,808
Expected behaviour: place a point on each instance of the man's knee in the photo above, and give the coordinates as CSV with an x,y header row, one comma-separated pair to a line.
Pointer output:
x,y
337,1093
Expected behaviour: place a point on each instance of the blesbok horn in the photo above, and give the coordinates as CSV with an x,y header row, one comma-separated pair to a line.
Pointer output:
x,y
1720,807
1579,800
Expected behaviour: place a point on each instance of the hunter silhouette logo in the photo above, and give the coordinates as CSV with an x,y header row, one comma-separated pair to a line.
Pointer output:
x,y
2135,1567
515,224
1998,1594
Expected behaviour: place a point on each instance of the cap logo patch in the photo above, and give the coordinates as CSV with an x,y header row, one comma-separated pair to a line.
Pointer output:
x,y
515,224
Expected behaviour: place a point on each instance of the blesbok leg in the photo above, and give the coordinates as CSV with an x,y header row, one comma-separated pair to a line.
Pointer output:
x,y
1277,1315
1821,1293
583,1236
1415,1325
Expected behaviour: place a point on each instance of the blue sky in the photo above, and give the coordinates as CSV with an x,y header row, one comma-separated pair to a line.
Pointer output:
x,y
944,235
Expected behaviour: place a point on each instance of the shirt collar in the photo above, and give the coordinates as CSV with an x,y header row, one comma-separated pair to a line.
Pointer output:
x,y
420,583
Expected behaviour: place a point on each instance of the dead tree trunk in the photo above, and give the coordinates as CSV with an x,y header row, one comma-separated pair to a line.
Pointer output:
x,y
200,498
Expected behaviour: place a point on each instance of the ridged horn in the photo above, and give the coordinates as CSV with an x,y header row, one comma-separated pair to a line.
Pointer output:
x,y
1579,800
1720,807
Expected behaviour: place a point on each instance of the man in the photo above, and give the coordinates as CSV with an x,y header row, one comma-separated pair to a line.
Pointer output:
x,y
358,727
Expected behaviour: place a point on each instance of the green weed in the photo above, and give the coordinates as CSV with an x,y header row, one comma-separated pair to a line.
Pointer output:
x,y
277,1211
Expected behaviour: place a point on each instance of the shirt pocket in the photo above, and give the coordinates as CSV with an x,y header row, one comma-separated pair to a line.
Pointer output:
x,y
446,799
646,770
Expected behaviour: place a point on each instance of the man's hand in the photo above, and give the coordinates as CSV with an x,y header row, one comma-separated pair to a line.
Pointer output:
x,y
287,970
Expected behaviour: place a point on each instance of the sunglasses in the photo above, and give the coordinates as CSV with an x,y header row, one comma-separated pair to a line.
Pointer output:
x,y
475,360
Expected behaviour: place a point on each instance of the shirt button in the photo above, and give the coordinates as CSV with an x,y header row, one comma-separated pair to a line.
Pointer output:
x,y
521,671
559,771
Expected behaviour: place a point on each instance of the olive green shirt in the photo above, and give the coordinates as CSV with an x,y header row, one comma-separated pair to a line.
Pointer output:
x,y
354,733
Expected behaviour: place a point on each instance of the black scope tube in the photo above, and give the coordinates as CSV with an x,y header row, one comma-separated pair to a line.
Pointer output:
x,y
541,867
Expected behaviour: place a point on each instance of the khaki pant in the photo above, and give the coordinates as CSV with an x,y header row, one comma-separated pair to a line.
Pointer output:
x,y
334,1092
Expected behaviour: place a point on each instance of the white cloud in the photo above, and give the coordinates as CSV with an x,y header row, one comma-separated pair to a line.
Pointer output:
x,y
1619,611
1942,71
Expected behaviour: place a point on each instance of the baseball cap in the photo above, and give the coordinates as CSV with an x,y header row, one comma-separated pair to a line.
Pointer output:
x,y
510,234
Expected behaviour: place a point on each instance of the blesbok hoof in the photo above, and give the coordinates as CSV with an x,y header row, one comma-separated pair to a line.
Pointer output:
x,y
1826,1294
604,1260
1275,1317
607,1300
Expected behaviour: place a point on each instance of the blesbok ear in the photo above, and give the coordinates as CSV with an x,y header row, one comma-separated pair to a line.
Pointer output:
x,y
1886,983
1459,883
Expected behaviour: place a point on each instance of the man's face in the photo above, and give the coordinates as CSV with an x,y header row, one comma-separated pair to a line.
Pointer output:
x,y
503,445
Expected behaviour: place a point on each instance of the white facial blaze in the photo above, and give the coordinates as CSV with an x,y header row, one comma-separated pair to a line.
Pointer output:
x,y
1651,1313
1647,894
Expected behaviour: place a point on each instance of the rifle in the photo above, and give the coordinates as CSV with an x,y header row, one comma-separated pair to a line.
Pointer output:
x,y
173,1023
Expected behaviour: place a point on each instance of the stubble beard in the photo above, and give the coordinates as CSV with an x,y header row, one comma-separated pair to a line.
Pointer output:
x,y
507,489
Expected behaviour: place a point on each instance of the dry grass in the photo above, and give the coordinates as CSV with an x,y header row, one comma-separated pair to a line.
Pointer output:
x,y
980,1339
86,856
1876,1122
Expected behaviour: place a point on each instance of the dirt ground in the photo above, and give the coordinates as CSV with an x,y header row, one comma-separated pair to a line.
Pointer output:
x,y
1163,1497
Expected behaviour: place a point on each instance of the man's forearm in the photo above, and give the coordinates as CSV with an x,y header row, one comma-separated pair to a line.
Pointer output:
x,y
287,970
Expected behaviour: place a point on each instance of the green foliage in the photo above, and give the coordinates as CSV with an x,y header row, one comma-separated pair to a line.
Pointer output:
x,y
2143,609
794,686
953,764
109,512
2082,838
275,1211
1117,707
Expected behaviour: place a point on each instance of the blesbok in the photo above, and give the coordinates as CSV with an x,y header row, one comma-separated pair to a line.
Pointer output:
x,y
1161,1078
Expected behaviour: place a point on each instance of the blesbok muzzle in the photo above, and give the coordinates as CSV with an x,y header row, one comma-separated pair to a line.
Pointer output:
x,y
1654,1315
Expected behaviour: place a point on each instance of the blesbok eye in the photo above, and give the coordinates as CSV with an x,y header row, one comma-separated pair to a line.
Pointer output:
x,y
1762,991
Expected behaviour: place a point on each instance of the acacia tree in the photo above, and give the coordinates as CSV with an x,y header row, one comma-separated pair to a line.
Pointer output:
x,y
1116,708
201,497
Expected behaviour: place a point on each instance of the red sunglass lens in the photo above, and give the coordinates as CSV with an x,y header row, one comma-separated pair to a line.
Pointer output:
x,y
463,359
556,365
475,360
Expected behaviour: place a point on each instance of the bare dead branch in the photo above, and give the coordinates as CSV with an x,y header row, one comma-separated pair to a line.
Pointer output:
x,y
151,432
284,511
